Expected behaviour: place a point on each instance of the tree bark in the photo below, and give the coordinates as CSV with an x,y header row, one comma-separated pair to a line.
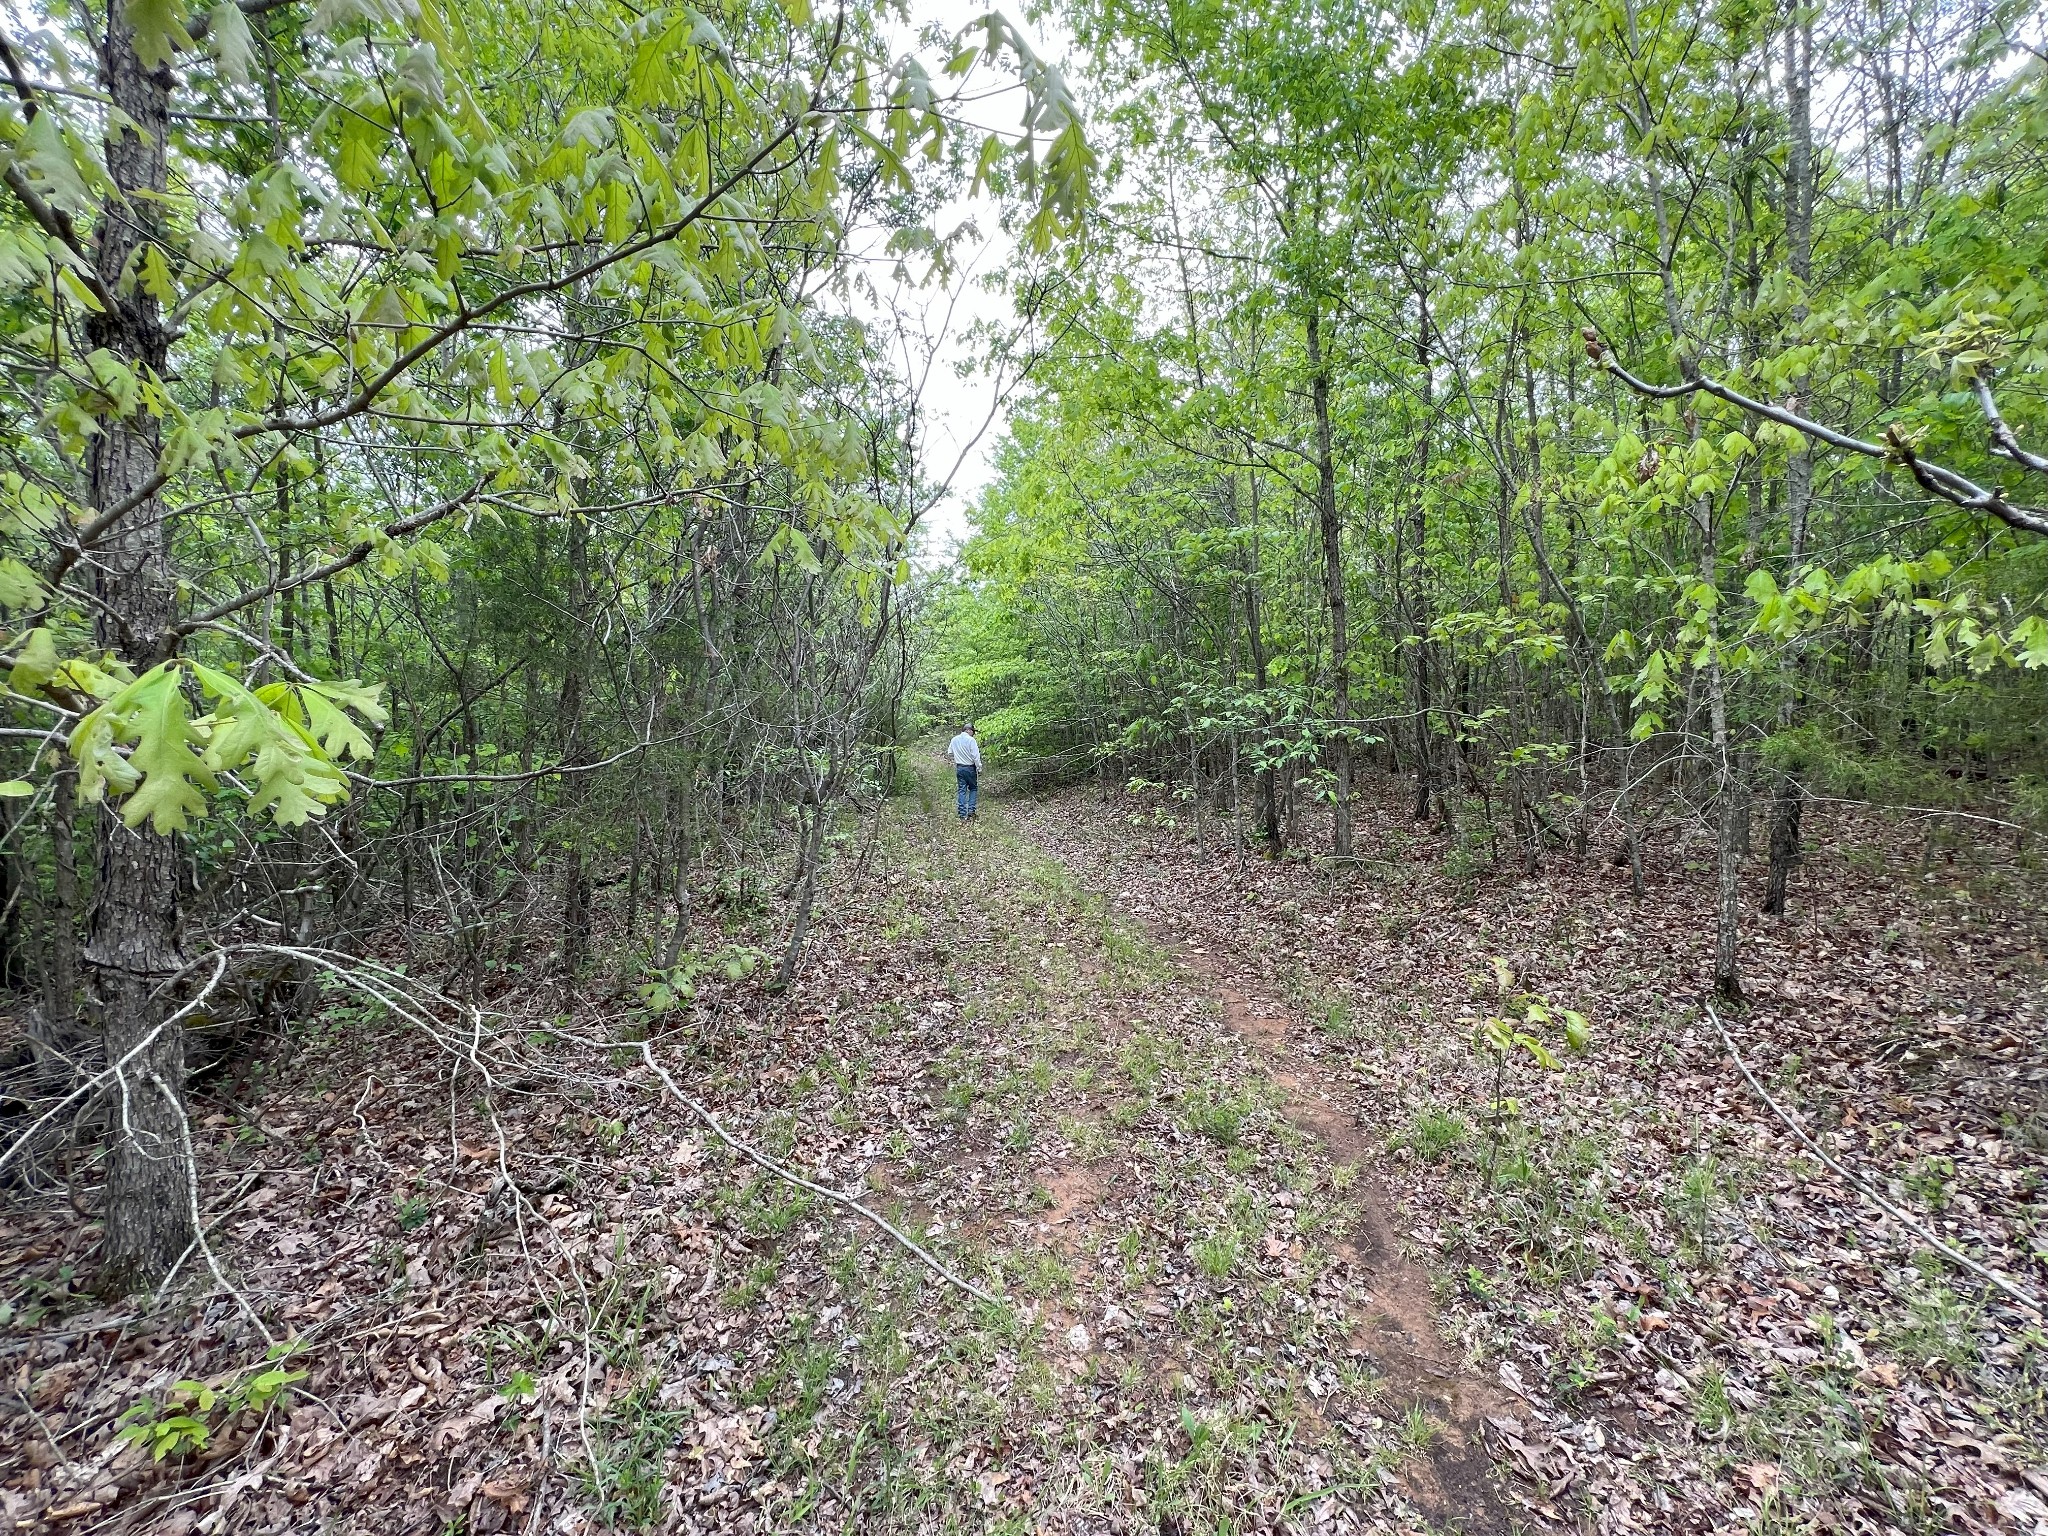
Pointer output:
x,y
1789,802
1730,792
806,889
1728,914
61,963
1787,813
1416,535
133,947
1521,811
1269,788
576,891
1333,585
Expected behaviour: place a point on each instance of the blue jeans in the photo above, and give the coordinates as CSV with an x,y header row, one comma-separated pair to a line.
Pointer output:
x,y
970,785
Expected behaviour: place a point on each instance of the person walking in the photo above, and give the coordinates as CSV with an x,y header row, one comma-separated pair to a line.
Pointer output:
x,y
965,752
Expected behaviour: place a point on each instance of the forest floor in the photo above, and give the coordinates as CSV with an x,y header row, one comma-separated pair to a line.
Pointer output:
x,y
1213,1130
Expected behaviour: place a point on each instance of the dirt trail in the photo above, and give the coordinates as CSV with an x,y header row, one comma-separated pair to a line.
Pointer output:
x,y
1398,1334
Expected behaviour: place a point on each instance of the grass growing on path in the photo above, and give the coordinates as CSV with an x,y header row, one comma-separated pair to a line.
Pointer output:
x,y
1076,1127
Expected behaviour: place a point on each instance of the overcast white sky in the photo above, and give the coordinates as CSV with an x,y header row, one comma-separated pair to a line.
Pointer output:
x,y
958,405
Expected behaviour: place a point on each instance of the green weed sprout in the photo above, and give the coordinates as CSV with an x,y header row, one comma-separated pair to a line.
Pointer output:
x,y
1516,1028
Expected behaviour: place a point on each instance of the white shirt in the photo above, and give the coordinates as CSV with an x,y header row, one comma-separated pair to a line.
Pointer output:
x,y
965,751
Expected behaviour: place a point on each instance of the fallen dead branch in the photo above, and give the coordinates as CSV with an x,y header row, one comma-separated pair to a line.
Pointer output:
x,y
1952,1254
764,1161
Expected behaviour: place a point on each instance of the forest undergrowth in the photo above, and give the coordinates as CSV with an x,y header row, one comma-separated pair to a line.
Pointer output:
x,y
1704,1326
527,1291
1214,1131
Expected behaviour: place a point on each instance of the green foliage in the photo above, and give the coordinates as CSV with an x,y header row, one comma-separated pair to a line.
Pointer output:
x,y
1217,1254
445,205
1514,1031
1435,1133
1218,1115
185,1418
1553,576
666,990
1703,1190
291,736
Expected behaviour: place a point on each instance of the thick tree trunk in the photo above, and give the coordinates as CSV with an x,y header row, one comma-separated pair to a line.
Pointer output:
x,y
1333,585
133,947
1787,813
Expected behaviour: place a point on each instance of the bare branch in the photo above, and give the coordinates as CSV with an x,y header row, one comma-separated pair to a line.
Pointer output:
x,y
1936,479
1949,1252
2004,439
763,1160
412,523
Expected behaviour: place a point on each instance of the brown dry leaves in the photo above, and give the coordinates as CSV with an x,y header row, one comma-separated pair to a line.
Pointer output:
x,y
549,1305
1705,1326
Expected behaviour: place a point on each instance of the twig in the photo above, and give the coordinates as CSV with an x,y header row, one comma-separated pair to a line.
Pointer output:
x,y
763,1160
198,1224
1954,1254
22,1142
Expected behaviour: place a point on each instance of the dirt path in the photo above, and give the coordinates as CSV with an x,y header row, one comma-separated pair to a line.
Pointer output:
x,y
1398,1333
1422,1394
1219,1310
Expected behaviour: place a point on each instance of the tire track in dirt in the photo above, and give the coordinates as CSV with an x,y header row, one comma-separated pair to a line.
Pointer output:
x,y
1398,1334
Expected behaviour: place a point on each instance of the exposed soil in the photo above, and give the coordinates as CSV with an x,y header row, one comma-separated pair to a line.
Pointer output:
x,y
1398,1332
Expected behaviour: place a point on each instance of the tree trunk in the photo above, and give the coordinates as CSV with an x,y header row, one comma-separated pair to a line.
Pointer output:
x,y
576,915
1521,815
1416,535
1254,619
1787,814
1788,803
806,895
1333,585
576,923
60,959
1728,905
133,946
1731,793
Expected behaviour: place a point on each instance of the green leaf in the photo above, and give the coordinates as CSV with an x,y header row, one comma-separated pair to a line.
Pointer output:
x,y
35,663
165,778
264,729
159,29
336,733
2029,641
229,38
16,789
47,156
